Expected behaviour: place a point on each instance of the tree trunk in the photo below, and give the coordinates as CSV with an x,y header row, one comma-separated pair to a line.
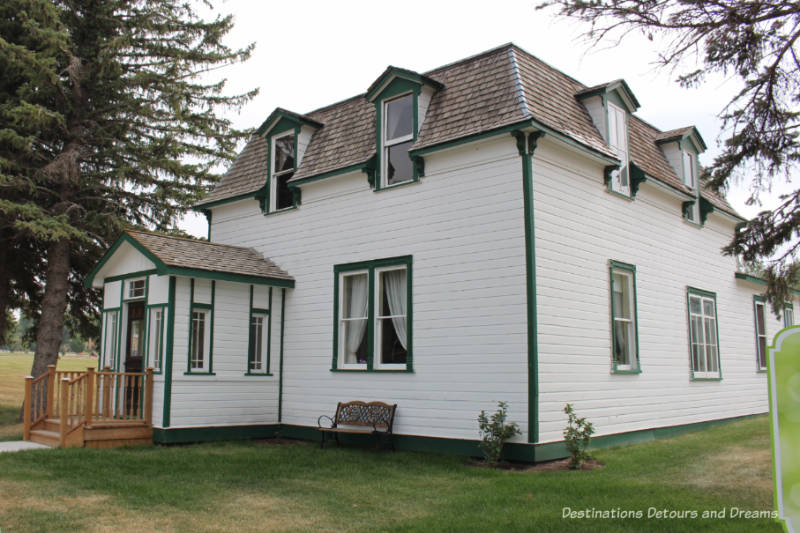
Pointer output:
x,y
54,304
5,287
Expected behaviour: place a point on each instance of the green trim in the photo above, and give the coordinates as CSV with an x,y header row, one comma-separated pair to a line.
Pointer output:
x,y
268,315
168,356
279,211
119,333
139,274
269,332
526,146
330,174
210,309
258,374
618,86
373,370
187,435
216,203
280,367
752,279
226,276
758,299
394,76
370,267
259,311
630,269
712,295
199,373
103,355
148,359
288,119
125,237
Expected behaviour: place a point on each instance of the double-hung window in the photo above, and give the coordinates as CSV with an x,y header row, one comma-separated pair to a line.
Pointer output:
x,y
692,211
257,359
788,315
373,315
110,334
398,136
283,167
760,319
703,341
136,288
623,318
155,336
618,142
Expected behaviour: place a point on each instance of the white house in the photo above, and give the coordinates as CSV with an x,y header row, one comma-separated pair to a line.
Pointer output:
x,y
489,230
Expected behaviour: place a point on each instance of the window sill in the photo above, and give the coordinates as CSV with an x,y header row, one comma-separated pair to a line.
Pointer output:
x,y
396,185
279,211
694,224
259,374
620,195
199,374
375,370
626,371
761,371
718,378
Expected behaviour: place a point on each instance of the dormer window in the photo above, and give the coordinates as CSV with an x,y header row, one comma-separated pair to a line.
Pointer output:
x,y
618,142
283,167
689,170
398,136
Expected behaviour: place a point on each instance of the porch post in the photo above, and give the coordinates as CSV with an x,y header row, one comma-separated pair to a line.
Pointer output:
x,y
26,431
148,396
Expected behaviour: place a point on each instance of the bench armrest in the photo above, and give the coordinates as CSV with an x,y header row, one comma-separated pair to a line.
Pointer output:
x,y
319,421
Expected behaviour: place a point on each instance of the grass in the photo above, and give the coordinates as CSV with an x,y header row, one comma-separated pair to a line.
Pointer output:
x,y
257,486
14,367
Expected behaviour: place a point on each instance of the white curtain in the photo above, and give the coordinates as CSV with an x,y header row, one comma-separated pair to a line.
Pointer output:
x,y
356,306
395,283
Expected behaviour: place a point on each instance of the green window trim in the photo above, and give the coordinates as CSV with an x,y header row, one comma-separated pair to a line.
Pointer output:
x,y
261,312
370,267
162,327
693,291
264,195
788,306
201,307
615,267
759,300
116,312
397,88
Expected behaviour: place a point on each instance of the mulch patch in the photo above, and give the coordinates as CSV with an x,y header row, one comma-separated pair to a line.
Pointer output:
x,y
560,464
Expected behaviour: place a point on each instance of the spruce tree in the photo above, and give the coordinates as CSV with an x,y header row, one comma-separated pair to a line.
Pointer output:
x,y
107,120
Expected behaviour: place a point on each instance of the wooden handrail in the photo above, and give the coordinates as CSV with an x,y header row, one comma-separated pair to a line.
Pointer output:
x,y
64,412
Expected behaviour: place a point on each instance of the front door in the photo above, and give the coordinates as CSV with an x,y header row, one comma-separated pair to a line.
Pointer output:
x,y
133,357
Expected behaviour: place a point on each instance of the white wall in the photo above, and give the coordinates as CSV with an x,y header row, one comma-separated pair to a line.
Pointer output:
x,y
579,228
463,225
229,397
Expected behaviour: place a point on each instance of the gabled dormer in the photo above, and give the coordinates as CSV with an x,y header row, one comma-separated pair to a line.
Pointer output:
x,y
681,147
287,135
610,106
401,98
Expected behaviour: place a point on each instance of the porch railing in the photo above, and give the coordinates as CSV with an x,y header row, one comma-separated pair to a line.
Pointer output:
x,y
87,398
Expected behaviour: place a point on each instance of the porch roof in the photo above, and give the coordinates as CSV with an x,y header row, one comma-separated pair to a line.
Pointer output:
x,y
195,258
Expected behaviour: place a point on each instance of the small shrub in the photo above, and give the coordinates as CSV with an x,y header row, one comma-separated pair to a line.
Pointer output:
x,y
577,436
495,432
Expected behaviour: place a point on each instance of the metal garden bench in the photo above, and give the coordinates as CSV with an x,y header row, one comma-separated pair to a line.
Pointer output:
x,y
362,418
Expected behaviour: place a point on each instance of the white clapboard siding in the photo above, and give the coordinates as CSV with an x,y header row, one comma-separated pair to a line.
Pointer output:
x,y
579,228
228,397
463,225
126,260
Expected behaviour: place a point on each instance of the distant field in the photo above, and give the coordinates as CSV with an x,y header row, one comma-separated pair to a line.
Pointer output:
x,y
14,367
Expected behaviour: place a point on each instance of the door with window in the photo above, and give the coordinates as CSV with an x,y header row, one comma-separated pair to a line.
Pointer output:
x,y
133,355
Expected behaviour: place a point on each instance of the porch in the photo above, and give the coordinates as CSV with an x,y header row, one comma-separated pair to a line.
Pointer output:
x,y
94,409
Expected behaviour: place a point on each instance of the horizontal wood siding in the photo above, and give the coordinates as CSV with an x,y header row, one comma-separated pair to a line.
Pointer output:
x,y
579,228
228,397
463,226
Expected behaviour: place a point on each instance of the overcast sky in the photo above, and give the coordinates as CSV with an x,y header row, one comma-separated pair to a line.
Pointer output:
x,y
311,54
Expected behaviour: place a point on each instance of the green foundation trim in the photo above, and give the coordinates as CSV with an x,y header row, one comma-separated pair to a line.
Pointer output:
x,y
204,434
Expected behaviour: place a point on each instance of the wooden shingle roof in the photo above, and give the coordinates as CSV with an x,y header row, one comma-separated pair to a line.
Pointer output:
x,y
495,89
193,254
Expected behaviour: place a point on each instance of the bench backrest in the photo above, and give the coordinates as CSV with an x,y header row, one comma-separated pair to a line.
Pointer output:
x,y
371,414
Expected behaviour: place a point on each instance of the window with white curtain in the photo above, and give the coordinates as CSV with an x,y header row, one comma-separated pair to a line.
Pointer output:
x,y
373,315
283,167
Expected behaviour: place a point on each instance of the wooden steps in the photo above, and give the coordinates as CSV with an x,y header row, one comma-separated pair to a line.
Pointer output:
x,y
46,437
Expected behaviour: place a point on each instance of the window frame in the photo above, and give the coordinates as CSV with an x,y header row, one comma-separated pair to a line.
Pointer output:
x,y
114,339
143,288
272,206
386,143
788,306
615,185
372,269
377,356
149,358
263,314
704,296
629,271
208,335
691,158
758,302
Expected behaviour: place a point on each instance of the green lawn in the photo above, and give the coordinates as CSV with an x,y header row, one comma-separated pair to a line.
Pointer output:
x,y
13,369
253,486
